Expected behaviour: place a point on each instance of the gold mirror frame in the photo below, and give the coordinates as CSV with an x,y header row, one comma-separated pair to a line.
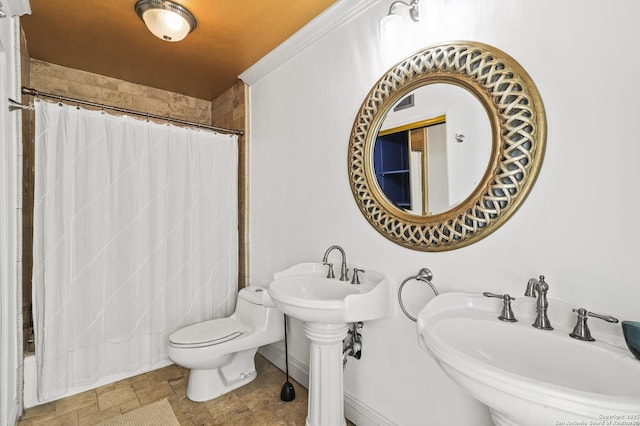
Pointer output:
x,y
518,127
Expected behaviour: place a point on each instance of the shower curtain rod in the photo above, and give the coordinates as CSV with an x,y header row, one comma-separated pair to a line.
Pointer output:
x,y
36,93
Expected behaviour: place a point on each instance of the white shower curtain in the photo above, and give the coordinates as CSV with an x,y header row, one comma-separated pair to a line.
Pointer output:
x,y
135,235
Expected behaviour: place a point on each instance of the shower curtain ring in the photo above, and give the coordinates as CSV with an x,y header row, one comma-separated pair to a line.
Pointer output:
x,y
60,100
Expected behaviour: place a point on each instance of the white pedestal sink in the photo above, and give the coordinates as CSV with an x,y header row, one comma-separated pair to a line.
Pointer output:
x,y
528,376
327,306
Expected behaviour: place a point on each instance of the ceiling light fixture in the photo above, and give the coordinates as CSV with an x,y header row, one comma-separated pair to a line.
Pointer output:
x,y
165,19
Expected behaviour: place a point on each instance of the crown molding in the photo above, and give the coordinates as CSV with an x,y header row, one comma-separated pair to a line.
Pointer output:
x,y
334,17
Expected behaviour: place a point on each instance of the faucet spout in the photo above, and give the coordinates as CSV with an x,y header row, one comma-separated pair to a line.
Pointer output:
x,y
344,272
531,288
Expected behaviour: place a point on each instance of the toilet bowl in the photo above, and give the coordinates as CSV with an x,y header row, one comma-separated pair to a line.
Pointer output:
x,y
220,353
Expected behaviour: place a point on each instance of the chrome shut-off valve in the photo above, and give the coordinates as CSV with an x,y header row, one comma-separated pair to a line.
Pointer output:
x,y
352,344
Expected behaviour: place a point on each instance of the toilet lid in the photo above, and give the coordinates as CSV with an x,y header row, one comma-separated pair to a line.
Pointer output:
x,y
208,333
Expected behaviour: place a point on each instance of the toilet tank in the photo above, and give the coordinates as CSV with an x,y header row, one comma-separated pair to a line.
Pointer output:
x,y
254,309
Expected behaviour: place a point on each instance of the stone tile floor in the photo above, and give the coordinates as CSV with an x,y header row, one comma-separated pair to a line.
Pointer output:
x,y
256,404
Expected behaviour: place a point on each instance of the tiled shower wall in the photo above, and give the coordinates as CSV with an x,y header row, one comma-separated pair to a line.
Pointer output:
x,y
74,83
229,110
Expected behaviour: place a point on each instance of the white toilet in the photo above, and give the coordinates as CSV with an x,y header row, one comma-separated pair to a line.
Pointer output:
x,y
220,353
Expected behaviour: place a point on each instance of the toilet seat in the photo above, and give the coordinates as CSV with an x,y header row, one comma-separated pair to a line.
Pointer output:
x,y
208,333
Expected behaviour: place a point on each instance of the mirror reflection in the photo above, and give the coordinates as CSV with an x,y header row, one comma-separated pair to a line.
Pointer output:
x,y
432,149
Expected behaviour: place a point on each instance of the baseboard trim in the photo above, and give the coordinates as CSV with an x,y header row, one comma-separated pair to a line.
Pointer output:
x,y
354,409
298,370
362,414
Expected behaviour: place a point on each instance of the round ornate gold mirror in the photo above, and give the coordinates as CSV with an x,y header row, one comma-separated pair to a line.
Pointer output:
x,y
405,170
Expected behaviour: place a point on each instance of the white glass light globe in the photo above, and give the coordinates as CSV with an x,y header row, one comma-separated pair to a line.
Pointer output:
x,y
166,24
392,38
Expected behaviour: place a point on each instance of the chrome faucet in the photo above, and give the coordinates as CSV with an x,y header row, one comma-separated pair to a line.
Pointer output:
x,y
539,288
344,272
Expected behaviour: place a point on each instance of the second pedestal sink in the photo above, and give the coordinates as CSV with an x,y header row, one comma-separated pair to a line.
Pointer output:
x,y
327,306
528,376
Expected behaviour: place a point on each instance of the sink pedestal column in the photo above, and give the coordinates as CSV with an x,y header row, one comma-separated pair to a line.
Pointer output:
x,y
326,396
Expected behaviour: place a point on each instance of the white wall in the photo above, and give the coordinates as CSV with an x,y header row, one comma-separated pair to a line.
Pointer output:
x,y
576,227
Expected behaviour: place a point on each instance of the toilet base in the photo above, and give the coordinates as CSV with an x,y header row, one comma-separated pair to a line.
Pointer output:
x,y
205,385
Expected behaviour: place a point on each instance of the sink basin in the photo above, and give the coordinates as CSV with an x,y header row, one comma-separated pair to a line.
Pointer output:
x,y
326,306
303,292
528,376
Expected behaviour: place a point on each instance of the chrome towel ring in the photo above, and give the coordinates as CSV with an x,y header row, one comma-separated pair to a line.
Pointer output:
x,y
425,275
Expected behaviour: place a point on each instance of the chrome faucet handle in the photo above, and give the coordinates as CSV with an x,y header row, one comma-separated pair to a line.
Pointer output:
x,y
356,279
581,330
330,273
507,313
541,285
